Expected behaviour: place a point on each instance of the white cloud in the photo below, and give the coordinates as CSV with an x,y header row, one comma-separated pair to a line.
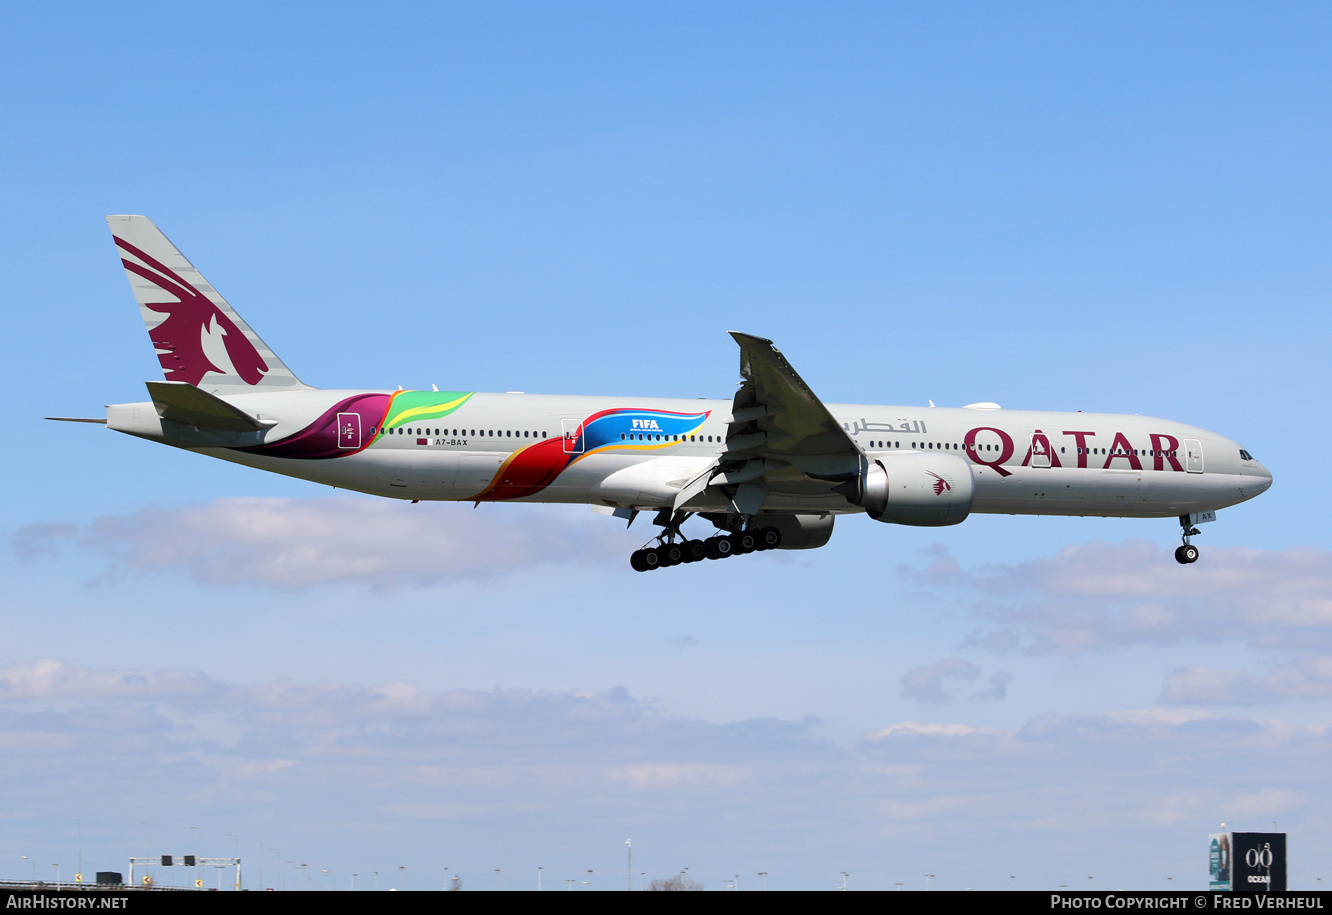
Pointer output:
x,y
926,684
1308,677
1097,595
998,688
304,543
911,728
329,765
49,680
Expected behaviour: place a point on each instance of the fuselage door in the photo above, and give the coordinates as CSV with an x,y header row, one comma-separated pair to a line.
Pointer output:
x,y
1040,450
573,442
1193,455
349,431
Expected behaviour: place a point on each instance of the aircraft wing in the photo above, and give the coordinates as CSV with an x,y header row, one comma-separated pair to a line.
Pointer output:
x,y
777,423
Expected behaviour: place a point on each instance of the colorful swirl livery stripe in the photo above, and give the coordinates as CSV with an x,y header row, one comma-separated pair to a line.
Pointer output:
x,y
419,406
353,424
534,467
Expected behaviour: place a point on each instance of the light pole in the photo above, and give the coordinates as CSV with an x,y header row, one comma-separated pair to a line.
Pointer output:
x,y
235,848
78,874
629,868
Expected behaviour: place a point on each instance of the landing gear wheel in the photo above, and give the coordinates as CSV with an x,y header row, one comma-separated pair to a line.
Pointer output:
x,y
744,541
694,550
672,554
636,561
651,559
769,538
719,547
1186,554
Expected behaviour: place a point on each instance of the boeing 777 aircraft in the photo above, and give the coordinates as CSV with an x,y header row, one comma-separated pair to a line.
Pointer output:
x,y
770,469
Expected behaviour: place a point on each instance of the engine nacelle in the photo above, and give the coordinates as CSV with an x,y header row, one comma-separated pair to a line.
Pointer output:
x,y
800,532
919,488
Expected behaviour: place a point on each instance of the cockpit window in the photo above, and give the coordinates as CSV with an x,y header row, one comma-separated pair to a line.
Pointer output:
x,y
1245,455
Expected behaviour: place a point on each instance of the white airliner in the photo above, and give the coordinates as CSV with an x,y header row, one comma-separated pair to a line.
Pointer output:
x,y
770,468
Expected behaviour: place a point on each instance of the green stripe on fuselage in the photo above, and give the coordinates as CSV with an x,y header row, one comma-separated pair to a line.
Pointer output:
x,y
419,406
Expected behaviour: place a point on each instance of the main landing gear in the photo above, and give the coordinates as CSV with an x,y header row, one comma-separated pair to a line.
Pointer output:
x,y
1187,553
672,549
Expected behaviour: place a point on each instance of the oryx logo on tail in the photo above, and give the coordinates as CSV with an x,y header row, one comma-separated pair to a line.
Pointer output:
x,y
196,335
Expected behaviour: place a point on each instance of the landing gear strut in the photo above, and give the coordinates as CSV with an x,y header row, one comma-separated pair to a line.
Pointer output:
x,y
1187,553
672,549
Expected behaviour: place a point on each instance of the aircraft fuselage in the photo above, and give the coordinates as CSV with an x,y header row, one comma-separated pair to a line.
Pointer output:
x,y
1021,462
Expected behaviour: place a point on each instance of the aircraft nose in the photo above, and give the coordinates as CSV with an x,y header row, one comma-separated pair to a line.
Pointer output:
x,y
1262,478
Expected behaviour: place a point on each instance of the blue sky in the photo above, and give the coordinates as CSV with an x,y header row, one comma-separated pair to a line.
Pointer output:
x,y
1100,207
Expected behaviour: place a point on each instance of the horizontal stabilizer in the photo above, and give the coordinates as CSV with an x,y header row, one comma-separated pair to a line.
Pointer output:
x,y
76,419
181,402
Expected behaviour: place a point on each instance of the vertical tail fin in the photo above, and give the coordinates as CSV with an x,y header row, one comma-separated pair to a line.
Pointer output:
x,y
199,338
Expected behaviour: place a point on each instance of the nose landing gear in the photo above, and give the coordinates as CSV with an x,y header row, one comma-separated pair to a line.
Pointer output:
x,y
1187,553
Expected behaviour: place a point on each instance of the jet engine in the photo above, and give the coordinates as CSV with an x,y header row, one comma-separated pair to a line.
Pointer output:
x,y
919,488
800,532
